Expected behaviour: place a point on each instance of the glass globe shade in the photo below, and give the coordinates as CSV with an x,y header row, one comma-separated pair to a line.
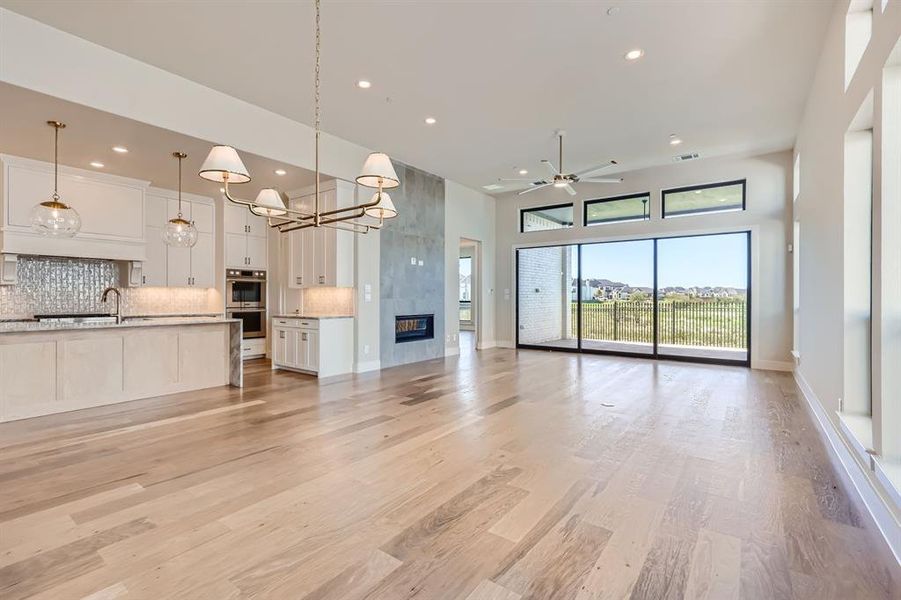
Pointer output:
x,y
179,233
55,219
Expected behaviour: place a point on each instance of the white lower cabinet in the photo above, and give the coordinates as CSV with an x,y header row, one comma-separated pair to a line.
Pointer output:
x,y
320,346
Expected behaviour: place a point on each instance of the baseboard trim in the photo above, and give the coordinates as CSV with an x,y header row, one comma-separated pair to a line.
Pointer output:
x,y
486,345
505,344
451,350
876,505
773,365
365,367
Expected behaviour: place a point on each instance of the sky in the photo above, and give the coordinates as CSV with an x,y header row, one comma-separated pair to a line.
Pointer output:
x,y
713,260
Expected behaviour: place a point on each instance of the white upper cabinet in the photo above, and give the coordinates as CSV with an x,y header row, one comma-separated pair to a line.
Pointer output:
x,y
323,256
180,267
111,210
245,238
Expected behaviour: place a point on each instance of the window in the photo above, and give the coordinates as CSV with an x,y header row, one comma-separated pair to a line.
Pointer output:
x,y
559,216
796,178
466,289
858,29
699,199
635,207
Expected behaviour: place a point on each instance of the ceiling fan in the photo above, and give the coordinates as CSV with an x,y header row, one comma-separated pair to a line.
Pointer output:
x,y
565,180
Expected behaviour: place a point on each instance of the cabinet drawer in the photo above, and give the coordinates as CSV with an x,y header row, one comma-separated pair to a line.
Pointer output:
x,y
299,323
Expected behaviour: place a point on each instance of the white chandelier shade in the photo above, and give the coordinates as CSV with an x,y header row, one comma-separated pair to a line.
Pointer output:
x,y
384,209
269,203
378,172
223,164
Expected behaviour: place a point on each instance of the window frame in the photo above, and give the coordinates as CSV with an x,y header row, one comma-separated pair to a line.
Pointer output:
x,y
704,186
524,210
587,203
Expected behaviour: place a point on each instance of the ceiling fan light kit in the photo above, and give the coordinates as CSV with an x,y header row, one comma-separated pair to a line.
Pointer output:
x,y
224,165
562,180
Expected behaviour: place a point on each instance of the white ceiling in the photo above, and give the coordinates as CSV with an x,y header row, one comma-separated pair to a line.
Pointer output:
x,y
500,77
91,134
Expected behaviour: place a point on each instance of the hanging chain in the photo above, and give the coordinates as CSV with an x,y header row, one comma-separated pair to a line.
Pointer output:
x,y
316,116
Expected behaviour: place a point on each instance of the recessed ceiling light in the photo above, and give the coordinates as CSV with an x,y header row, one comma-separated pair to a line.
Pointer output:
x,y
281,172
523,172
634,54
97,164
120,149
430,120
363,84
697,191
673,140
612,11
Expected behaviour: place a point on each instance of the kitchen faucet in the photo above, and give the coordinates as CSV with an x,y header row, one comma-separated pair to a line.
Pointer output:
x,y
118,299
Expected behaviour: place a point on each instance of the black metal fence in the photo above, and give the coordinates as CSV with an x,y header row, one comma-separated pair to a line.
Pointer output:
x,y
710,324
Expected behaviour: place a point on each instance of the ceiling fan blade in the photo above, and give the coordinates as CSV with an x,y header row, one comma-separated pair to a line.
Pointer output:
x,y
602,180
517,180
596,169
533,188
551,168
569,190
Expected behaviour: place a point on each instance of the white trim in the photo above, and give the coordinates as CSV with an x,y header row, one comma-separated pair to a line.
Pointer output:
x,y
369,365
773,365
505,344
486,345
451,350
877,506
886,480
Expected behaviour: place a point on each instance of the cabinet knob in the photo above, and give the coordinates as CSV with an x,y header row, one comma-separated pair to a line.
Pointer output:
x,y
281,334
321,279
143,279
303,336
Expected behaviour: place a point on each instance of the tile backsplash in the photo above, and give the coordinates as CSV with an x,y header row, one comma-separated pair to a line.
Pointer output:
x,y
48,285
328,302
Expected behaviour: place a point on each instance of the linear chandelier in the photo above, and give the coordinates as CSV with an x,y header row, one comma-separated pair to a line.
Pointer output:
x,y
224,165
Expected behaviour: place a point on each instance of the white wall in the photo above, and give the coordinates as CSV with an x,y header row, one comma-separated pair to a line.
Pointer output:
x,y
468,214
768,216
829,114
829,182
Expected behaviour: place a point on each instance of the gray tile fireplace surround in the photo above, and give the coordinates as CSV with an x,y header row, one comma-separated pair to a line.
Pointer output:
x,y
413,289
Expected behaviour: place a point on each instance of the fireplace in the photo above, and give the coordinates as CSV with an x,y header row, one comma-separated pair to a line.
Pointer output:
x,y
410,328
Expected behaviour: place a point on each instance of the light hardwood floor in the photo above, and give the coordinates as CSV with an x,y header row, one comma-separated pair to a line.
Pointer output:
x,y
496,475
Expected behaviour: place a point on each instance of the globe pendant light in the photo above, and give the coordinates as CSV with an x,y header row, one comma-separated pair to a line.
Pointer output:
x,y
179,232
52,217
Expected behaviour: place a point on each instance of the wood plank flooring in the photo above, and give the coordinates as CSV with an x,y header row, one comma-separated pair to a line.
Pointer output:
x,y
497,475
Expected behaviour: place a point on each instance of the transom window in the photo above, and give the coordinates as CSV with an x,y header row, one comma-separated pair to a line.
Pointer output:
x,y
708,198
559,216
634,207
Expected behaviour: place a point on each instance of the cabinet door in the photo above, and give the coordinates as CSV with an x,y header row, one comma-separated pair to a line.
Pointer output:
x,y
155,265
178,263
235,218
236,250
256,252
302,358
203,261
308,239
203,216
312,351
280,346
257,226
295,259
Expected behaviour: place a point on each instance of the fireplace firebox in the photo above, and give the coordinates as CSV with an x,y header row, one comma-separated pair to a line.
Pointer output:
x,y
411,328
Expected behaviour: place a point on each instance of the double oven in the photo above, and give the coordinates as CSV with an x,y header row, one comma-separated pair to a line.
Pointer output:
x,y
245,299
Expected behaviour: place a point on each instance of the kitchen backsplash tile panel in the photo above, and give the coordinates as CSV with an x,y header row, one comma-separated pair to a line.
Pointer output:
x,y
49,285
328,302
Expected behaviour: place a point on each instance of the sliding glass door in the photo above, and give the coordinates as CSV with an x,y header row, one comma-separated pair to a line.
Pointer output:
x,y
683,298
546,290
617,296
702,297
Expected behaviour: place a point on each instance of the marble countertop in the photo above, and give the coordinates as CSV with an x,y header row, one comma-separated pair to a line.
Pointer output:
x,y
312,317
32,326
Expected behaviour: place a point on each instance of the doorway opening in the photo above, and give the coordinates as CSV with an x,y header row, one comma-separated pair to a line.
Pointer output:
x,y
468,300
680,298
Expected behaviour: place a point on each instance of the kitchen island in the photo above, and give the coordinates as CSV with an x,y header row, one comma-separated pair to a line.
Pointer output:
x,y
49,368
